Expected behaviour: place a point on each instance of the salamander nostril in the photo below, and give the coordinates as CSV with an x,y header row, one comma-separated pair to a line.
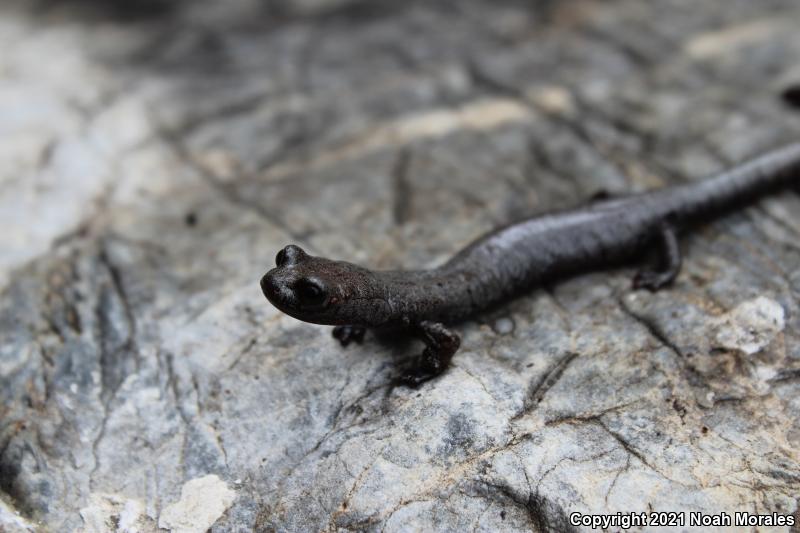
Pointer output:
x,y
268,286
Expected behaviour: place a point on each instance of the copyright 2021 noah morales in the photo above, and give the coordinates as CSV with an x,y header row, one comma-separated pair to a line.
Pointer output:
x,y
682,518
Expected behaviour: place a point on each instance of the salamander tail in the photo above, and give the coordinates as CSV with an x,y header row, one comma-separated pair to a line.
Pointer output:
x,y
741,185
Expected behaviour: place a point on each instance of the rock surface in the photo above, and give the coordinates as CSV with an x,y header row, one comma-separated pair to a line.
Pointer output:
x,y
156,155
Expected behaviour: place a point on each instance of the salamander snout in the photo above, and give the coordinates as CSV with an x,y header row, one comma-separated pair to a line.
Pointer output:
x,y
284,290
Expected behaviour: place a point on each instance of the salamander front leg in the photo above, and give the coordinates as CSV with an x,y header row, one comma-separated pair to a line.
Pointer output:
x,y
347,334
654,280
440,345
600,195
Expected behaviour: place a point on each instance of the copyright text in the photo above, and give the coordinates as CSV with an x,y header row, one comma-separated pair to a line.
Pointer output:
x,y
680,518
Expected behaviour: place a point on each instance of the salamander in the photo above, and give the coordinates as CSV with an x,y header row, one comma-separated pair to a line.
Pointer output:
x,y
514,259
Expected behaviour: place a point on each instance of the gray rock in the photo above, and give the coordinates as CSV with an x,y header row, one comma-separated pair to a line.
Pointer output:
x,y
156,158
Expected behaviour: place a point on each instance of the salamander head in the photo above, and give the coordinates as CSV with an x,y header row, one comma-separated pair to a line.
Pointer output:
x,y
319,290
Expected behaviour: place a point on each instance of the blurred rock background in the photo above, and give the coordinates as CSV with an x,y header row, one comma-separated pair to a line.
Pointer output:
x,y
156,155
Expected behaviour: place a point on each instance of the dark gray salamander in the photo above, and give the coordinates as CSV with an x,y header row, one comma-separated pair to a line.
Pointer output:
x,y
514,259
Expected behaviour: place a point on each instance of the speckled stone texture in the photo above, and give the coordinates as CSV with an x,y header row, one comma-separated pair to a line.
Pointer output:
x,y
156,155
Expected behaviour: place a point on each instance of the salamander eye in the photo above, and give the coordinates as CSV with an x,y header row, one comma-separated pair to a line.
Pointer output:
x,y
280,259
310,292
290,255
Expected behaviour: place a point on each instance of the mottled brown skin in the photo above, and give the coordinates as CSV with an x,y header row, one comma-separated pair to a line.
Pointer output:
x,y
512,260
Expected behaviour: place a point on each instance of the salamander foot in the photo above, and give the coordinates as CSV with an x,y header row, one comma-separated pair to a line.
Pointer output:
x,y
347,334
440,345
652,280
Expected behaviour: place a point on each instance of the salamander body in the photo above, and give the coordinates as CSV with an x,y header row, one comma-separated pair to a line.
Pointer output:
x,y
514,259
